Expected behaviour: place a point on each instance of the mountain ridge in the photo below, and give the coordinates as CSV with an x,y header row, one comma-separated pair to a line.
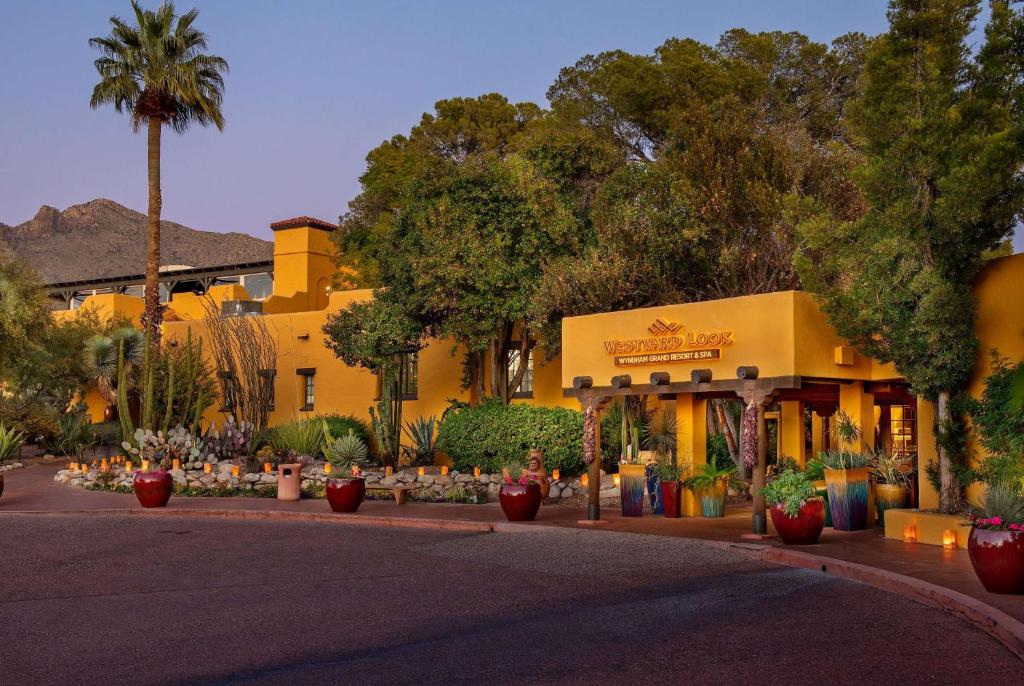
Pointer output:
x,y
102,239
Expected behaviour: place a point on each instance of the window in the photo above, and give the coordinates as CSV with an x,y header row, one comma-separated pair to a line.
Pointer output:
x,y
258,286
525,389
227,382
902,425
308,388
267,391
410,376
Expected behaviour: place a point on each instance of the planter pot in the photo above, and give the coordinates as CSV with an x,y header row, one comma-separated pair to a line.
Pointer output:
x,y
671,498
889,497
520,502
345,495
805,528
712,502
998,559
848,497
822,491
1,484
632,479
153,489
654,489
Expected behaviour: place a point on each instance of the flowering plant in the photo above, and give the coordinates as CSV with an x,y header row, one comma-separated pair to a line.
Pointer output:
x,y
1002,509
995,524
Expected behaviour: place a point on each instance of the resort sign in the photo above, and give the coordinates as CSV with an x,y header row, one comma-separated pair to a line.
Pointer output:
x,y
668,343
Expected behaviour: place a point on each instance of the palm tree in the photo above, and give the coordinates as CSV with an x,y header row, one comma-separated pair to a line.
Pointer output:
x,y
157,72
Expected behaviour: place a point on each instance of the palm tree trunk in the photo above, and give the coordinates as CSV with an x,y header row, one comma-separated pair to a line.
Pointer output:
x,y
950,491
152,312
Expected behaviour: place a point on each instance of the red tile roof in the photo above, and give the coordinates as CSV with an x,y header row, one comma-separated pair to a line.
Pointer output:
x,y
296,222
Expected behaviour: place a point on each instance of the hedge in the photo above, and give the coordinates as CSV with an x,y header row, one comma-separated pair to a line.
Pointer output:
x,y
493,435
340,424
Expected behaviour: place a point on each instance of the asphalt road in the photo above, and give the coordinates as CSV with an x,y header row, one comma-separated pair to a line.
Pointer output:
x,y
131,600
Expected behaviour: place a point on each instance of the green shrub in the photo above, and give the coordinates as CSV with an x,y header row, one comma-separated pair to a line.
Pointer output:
x,y
792,488
305,437
492,435
340,424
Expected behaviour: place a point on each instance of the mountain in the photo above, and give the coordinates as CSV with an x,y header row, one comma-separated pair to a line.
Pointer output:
x,y
103,239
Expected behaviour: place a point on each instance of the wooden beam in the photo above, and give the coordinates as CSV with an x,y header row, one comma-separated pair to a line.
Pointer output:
x,y
767,384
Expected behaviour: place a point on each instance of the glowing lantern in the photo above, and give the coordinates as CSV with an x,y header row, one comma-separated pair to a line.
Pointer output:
x,y
949,539
476,472
444,471
127,466
421,471
555,474
266,468
73,466
355,470
175,464
615,480
585,480
145,465
85,468
104,465
328,468
234,470
389,470
910,533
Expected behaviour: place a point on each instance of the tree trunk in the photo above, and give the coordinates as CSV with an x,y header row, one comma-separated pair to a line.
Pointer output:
x,y
153,312
730,430
950,498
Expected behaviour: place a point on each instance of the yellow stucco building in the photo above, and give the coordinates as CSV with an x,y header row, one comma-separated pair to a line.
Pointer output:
x,y
805,371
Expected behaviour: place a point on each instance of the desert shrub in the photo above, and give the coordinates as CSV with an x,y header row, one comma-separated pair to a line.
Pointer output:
x,y
340,424
305,437
492,435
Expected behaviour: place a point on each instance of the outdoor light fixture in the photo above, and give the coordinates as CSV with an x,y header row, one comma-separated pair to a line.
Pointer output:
x,y
105,466
145,465
444,471
949,539
910,533
355,470
266,468
175,463
127,467
421,471
555,474
616,480
476,472
327,468
234,470
390,471
207,467
585,480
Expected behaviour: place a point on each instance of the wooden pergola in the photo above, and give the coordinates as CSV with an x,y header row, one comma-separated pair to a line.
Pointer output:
x,y
755,393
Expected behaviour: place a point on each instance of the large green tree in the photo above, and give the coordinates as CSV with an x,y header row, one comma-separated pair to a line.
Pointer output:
x,y
940,130
158,72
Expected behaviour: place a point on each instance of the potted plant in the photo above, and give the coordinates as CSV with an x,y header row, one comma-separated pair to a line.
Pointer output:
x,y
996,543
797,512
846,476
10,444
347,455
152,482
711,485
671,485
632,469
815,471
520,498
659,437
889,470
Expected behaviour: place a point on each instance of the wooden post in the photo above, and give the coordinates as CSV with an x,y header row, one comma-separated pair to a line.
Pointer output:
x,y
760,519
592,447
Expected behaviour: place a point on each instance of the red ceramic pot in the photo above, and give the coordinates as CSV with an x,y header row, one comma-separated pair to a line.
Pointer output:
x,y
1,484
520,502
805,528
346,495
671,498
153,489
998,559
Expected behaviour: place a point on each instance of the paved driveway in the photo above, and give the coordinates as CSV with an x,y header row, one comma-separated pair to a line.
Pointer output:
x,y
133,600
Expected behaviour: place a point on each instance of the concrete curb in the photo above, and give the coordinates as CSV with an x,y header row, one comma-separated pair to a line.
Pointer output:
x,y
994,622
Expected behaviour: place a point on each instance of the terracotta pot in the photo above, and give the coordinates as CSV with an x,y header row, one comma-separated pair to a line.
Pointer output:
x,y
671,498
520,502
998,559
153,489
889,497
632,479
345,495
848,497
805,528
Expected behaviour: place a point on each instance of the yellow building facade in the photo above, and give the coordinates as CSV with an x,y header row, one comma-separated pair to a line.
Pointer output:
x,y
813,373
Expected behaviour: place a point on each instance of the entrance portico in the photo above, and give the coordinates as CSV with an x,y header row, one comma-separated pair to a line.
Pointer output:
x,y
774,352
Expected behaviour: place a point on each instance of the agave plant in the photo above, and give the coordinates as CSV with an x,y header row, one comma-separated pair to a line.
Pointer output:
x,y
10,441
346,452
424,442
1002,506
74,433
660,433
889,467
305,437
100,356
842,459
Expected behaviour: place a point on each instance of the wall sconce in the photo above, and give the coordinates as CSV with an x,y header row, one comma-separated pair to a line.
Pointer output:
x,y
910,533
949,539
555,474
